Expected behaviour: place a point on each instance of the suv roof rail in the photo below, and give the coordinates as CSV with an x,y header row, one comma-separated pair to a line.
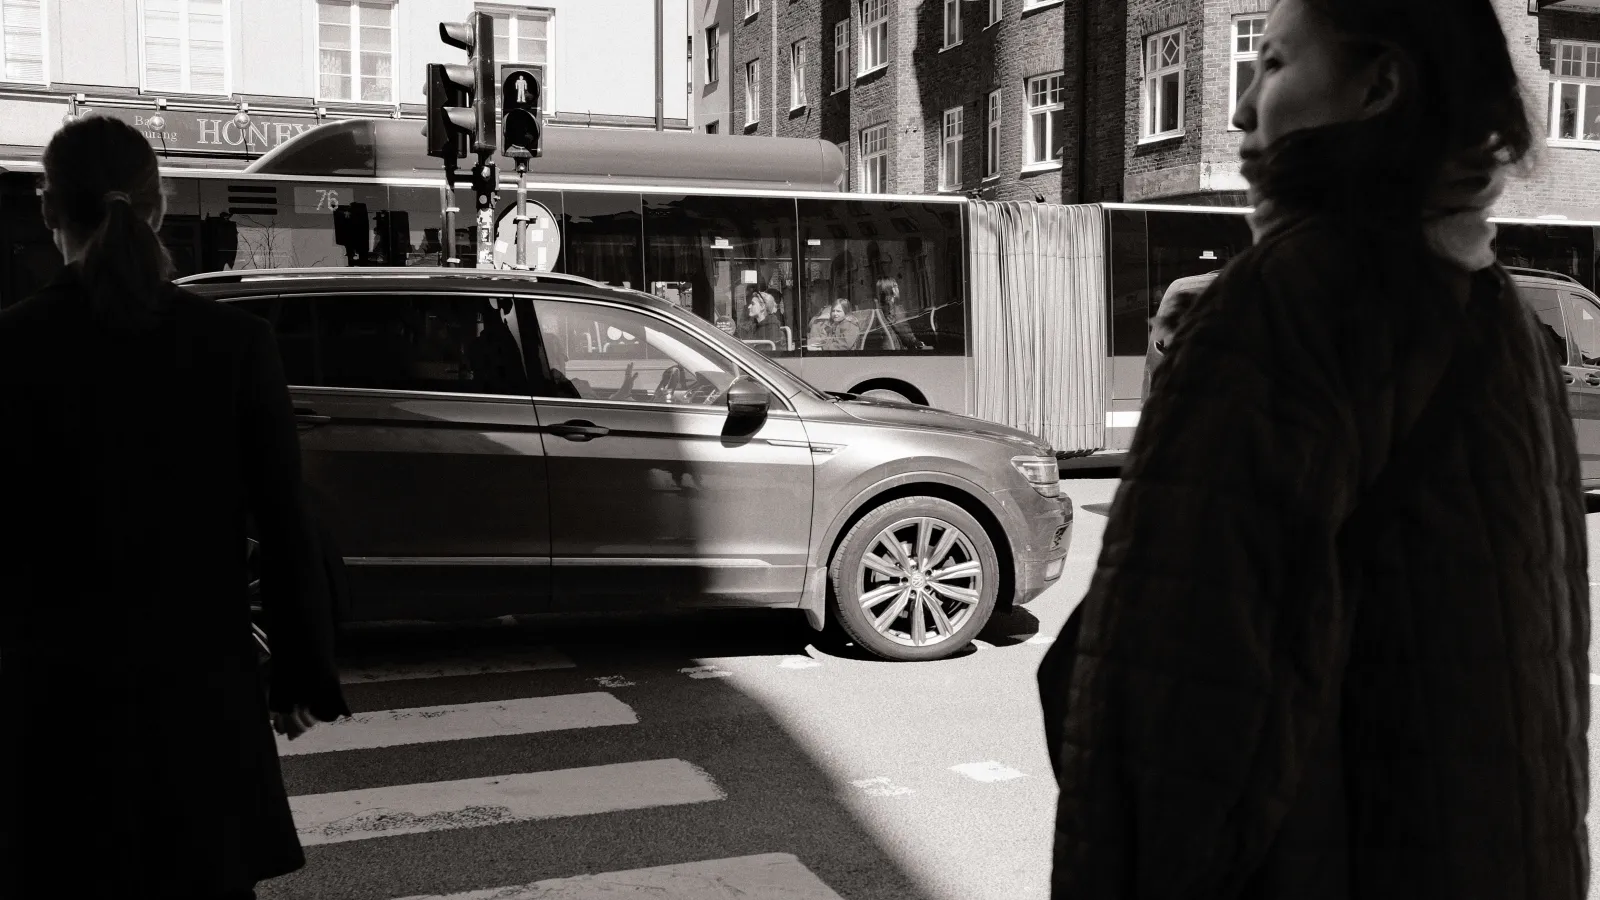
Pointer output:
x,y
239,276
1542,273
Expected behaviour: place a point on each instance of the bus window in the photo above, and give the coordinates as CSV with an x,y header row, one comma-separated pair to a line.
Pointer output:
x,y
600,238
728,259
1565,249
881,276
1133,299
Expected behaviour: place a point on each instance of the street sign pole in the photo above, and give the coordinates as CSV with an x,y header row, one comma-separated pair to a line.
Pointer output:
x,y
447,200
522,214
486,189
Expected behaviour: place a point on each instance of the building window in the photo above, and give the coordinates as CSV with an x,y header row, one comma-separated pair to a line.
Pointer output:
x,y
711,128
841,55
713,44
1046,112
355,50
1163,84
1575,92
844,149
751,7
1247,34
185,46
22,40
991,156
874,35
752,92
995,12
875,160
952,22
523,35
797,74
950,151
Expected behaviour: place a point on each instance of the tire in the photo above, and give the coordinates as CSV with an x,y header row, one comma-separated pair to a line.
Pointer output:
x,y
966,600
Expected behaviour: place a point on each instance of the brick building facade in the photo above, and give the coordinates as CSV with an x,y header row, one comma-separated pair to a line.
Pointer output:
x,y
1203,52
983,97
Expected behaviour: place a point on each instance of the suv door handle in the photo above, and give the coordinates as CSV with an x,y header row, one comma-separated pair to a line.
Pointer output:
x,y
579,430
1592,379
309,418
1568,377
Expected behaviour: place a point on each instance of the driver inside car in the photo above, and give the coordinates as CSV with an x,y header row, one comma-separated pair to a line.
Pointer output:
x,y
579,389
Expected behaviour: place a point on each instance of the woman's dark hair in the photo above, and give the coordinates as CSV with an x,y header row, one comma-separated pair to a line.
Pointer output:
x,y
1463,98
103,187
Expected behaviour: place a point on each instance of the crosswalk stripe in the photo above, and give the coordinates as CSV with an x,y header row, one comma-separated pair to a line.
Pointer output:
x,y
531,661
769,876
459,722
502,799
1593,678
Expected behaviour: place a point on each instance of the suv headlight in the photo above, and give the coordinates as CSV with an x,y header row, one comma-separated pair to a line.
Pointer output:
x,y
1041,472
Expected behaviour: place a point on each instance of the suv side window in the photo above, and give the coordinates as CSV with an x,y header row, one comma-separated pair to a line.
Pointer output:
x,y
597,352
423,342
290,318
1546,304
1584,317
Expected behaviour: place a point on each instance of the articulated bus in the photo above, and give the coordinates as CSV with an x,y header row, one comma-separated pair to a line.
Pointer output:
x,y
1036,315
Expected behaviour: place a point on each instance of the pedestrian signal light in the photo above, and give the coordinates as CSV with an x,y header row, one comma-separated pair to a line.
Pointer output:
x,y
519,99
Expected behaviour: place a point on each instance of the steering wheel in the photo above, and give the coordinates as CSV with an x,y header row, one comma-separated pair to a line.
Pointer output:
x,y
699,389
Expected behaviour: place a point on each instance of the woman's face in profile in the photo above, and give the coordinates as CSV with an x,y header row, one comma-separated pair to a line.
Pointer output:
x,y
1303,80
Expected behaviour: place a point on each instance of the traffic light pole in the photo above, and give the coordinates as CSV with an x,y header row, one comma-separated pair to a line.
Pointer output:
x,y
522,214
447,201
486,189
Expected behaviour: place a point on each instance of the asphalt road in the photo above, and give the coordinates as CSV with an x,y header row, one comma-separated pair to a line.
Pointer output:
x,y
713,756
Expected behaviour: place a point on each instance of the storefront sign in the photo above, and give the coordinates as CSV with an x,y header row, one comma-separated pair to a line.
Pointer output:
x,y
212,131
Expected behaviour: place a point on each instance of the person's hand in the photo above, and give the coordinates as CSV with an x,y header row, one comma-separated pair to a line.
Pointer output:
x,y
625,392
294,723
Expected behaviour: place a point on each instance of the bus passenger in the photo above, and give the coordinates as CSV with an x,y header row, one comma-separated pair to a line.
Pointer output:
x,y
1337,645
835,329
897,330
759,324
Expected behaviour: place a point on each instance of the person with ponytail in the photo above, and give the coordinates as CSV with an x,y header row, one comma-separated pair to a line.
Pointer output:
x,y
1337,643
144,427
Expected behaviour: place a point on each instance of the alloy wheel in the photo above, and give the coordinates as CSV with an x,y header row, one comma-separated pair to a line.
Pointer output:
x,y
920,581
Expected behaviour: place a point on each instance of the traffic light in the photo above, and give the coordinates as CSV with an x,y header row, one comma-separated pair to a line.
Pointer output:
x,y
519,99
449,122
476,36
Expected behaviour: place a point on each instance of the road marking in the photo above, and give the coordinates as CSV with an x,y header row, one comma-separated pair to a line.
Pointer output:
x,y
989,771
1036,640
503,799
798,662
882,787
706,672
531,661
460,722
981,645
613,681
1593,678
768,876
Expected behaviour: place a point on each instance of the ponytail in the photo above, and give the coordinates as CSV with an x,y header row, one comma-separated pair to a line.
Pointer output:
x,y
103,190
125,266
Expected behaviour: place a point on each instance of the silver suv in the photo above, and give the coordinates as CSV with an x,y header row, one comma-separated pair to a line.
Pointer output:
x,y
481,443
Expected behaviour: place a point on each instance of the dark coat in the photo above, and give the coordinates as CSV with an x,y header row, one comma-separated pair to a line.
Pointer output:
x,y
1263,697
136,757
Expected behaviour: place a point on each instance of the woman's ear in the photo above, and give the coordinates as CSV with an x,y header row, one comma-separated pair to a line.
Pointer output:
x,y
49,208
1385,77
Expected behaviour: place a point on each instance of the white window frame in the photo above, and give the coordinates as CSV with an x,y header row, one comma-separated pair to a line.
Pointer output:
x,y
751,7
952,134
395,62
1257,24
879,23
841,56
871,157
752,92
952,23
798,98
1150,110
713,47
991,149
183,52
44,47
1038,113
996,12
1587,80
1038,4
547,86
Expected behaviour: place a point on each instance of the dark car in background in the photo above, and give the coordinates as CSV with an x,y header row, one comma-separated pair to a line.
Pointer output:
x,y
481,443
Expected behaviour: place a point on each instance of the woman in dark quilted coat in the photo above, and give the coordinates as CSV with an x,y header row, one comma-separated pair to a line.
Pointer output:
x,y
1336,645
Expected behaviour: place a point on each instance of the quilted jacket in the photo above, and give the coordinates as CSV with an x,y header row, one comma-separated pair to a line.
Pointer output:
x,y
1266,695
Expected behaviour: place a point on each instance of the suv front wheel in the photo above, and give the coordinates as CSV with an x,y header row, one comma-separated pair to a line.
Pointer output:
x,y
915,579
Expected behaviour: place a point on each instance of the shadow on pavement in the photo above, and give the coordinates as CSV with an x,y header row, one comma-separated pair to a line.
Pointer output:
x,y
778,798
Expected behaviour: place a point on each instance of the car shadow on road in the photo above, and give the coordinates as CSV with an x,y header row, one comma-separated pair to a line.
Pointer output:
x,y
778,793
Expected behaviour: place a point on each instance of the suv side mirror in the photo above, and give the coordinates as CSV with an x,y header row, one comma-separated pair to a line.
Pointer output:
x,y
747,398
